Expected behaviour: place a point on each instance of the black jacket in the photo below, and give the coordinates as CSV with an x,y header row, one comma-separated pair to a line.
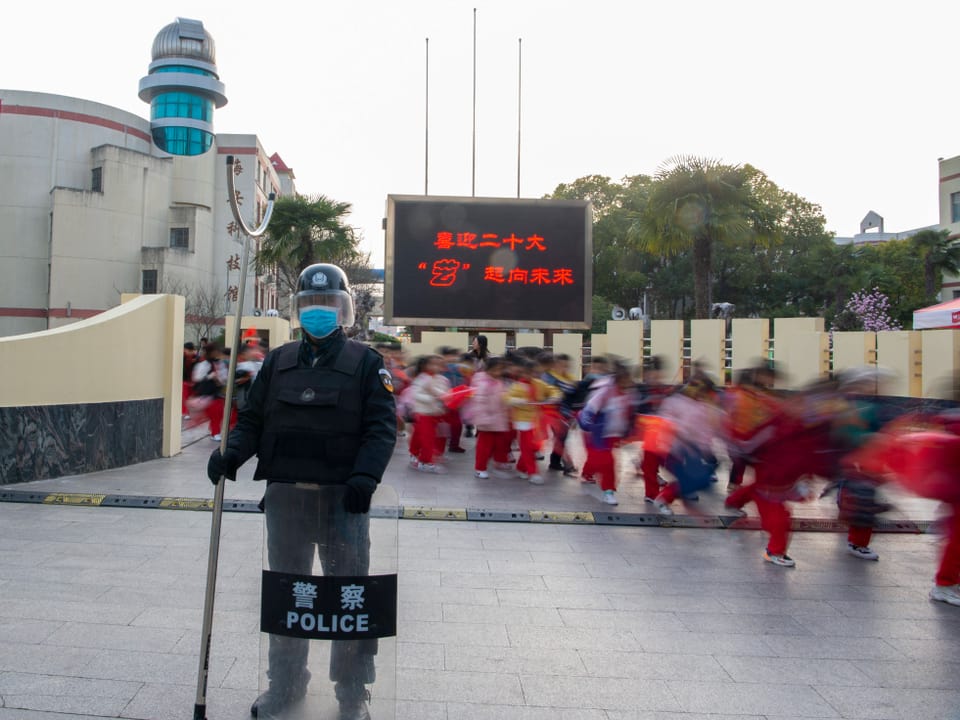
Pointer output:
x,y
318,414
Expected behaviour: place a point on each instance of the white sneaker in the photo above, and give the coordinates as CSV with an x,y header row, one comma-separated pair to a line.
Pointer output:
x,y
535,480
862,552
781,560
662,507
610,497
482,474
215,438
430,468
523,476
949,594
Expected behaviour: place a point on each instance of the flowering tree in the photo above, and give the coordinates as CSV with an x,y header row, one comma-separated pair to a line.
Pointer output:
x,y
866,310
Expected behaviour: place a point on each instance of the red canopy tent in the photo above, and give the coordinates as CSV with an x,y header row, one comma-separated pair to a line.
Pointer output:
x,y
943,315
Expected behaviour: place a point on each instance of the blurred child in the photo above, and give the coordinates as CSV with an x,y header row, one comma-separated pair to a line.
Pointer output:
x,y
523,398
556,373
428,388
487,412
697,421
607,419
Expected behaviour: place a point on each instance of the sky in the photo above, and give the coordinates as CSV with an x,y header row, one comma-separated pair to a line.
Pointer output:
x,y
846,103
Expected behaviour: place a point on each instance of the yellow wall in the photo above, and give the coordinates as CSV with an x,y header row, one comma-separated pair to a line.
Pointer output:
x,y
625,340
708,346
902,352
941,361
853,350
131,352
572,345
278,328
751,342
666,340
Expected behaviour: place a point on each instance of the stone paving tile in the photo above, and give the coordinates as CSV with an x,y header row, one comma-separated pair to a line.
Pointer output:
x,y
652,666
453,633
598,692
757,699
513,660
20,714
571,638
148,667
700,643
427,611
912,674
26,632
192,619
540,616
847,648
875,703
407,592
550,599
792,671
422,656
636,621
766,624
454,686
168,701
423,710
103,636
43,659
943,648
496,581
462,711
65,695
881,627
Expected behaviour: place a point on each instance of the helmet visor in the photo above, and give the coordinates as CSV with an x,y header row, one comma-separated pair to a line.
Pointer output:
x,y
337,299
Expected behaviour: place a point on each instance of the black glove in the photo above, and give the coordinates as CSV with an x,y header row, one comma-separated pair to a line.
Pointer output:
x,y
359,490
225,465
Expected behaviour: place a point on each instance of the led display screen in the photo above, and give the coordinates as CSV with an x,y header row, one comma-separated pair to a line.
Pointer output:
x,y
488,262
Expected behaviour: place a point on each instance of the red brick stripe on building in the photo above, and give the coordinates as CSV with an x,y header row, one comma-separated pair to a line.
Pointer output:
x,y
950,177
73,117
236,151
78,313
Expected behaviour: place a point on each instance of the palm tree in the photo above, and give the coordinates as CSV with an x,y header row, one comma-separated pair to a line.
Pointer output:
x,y
305,230
940,256
694,203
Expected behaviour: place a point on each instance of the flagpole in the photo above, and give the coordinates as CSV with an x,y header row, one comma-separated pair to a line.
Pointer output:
x,y
473,171
426,121
519,100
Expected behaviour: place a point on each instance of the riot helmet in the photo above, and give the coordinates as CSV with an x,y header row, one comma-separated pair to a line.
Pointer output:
x,y
324,285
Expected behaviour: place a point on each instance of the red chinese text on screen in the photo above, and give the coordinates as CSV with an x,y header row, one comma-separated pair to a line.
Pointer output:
x,y
447,240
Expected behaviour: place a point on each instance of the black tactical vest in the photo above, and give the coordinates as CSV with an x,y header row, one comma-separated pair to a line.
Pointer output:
x,y
312,418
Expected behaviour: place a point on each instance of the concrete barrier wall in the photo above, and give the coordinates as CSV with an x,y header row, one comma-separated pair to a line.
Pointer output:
x,y
99,393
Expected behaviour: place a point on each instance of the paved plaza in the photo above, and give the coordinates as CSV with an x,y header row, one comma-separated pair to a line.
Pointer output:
x,y
553,615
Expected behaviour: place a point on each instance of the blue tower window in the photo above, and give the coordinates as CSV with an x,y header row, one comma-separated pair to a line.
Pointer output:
x,y
181,104
183,69
182,140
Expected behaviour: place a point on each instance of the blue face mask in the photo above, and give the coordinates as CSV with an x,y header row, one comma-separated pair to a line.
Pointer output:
x,y
318,321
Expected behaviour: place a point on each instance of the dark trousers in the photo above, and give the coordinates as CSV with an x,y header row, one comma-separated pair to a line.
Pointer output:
x,y
304,522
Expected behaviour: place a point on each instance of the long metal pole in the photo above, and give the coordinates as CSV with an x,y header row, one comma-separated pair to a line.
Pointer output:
x,y
426,121
519,100
473,170
203,670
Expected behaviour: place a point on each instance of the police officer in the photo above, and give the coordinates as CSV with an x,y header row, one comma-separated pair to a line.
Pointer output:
x,y
320,413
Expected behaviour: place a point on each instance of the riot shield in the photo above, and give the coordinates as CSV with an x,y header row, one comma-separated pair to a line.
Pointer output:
x,y
328,606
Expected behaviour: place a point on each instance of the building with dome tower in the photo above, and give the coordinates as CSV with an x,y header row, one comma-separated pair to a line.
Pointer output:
x,y
96,201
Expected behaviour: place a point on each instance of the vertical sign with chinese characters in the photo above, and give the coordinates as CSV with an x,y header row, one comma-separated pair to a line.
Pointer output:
x,y
328,607
488,262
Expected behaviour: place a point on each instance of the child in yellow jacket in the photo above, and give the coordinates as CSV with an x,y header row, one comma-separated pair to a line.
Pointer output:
x,y
524,398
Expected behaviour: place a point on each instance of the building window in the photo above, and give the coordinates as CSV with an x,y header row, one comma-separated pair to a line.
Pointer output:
x,y
955,207
180,238
149,281
96,179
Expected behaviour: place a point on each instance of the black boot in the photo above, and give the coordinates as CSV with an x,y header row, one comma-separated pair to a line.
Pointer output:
x,y
276,699
353,705
556,462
